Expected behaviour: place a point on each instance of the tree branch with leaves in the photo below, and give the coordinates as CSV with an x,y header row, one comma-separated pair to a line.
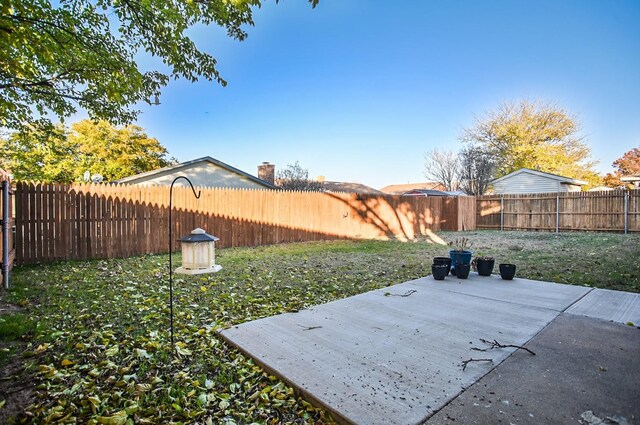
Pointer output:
x,y
60,56
64,154
627,164
294,177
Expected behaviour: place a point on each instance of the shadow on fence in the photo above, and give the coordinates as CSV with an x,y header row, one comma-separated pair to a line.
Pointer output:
x,y
64,222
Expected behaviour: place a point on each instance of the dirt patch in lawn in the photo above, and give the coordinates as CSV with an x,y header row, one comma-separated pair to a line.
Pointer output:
x,y
6,308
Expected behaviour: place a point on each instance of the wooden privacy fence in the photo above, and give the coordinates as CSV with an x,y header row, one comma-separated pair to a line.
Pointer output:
x,y
611,211
84,221
7,251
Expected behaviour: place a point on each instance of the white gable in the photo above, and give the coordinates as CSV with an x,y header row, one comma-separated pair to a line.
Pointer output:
x,y
202,173
526,182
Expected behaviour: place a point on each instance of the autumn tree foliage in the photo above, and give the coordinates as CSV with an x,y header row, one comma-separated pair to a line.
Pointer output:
x,y
536,135
65,154
627,164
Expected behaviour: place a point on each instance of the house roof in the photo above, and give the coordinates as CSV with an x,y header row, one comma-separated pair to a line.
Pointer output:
x,y
188,164
349,187
631,178
399,189
561,179
425,192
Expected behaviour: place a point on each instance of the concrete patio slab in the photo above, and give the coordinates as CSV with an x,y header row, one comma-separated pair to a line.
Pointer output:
x,y
393,356
581,365
615,306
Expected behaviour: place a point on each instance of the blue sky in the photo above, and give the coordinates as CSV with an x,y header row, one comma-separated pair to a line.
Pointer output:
x,y
359,90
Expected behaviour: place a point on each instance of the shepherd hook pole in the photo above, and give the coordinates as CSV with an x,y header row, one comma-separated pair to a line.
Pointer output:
x,y
5,233
197,195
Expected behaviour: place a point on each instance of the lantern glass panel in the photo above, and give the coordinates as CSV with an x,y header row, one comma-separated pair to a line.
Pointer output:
x,y
198,255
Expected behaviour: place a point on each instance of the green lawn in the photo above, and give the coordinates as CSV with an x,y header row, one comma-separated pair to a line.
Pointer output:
x,y
97,339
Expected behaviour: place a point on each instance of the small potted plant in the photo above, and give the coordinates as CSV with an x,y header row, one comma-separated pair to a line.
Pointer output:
x,y
507,271
439,271
483,265
462,270
459,252
443,260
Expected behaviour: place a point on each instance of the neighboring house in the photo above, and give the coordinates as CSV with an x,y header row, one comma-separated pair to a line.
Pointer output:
x,y
425,192
633,179
349,188
204,172
525,180
401,189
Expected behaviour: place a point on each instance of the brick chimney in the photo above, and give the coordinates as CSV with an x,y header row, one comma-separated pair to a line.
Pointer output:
x,y
267,172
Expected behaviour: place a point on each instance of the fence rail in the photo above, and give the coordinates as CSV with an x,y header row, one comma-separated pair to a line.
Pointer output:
x,y
612,211
84,221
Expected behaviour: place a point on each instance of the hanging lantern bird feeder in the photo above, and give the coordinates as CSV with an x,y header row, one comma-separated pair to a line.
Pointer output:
x,y
198,253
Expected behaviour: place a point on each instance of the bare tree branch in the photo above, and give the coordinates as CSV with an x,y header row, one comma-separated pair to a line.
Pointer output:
x,y
443,167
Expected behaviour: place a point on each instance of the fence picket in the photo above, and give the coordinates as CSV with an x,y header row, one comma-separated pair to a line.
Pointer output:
x,y
594,211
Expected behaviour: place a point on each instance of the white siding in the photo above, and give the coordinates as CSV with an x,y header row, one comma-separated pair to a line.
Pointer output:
x,y
202,174
528,183
568,187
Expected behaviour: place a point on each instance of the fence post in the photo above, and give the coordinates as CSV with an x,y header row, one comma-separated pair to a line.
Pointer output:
x,y
626,212
502,213
5,233
558,213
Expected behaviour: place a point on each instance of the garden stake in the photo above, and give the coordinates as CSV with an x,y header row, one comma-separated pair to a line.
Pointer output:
x,y
197,195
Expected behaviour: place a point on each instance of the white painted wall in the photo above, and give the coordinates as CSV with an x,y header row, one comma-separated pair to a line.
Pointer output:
x,y
531,183
203,174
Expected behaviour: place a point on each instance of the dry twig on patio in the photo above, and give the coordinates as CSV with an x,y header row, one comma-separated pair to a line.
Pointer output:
x,y
308,328
406,294
466,362
495,344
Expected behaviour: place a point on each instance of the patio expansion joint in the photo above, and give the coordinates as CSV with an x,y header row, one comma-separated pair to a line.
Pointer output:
x,y
591,289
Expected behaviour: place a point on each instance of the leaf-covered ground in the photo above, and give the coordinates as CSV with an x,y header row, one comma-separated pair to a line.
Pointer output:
x,y
93,337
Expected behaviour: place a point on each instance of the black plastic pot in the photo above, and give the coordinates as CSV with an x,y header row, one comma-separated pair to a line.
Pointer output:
x,y
462,270
485,267
507,271
443,260
439,271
